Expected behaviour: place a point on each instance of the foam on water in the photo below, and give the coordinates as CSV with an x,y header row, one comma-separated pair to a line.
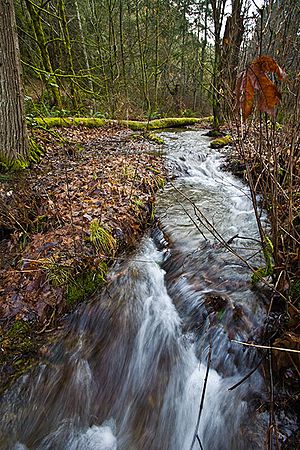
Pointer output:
x,y
129,374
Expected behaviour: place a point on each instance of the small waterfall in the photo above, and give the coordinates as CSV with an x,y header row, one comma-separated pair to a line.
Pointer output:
x,y
129,373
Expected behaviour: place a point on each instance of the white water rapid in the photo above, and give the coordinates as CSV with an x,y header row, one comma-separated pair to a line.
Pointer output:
x,y
131,370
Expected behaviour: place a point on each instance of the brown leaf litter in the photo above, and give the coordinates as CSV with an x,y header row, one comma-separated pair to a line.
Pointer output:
x,y
64,221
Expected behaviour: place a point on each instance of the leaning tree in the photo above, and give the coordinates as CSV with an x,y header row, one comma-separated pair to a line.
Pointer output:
x,y
13,136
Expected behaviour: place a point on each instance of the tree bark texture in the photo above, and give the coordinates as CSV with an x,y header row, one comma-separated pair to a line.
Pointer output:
x,y
13,136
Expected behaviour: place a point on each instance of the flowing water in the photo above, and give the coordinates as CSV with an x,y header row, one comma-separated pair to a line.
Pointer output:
x,y
130,373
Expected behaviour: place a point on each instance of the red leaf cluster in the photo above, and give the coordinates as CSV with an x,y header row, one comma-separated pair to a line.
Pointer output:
x,y
255,78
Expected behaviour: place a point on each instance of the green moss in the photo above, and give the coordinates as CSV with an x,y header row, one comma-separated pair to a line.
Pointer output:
x,y
134,125
35,151
137,125
17,340
221,142
85,284
173,122
154,138
169,122
13,166
18,352
19,328
50,122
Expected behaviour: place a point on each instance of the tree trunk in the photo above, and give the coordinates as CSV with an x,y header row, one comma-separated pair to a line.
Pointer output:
x,y
68,49
218,12
42,43
13,136
232,40
203,51
85,54
144,73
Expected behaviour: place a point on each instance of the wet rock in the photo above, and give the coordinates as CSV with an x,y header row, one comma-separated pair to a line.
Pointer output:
x,y
215,302
221,142
214,133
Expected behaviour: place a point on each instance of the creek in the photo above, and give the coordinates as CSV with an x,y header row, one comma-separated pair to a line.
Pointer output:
x,y
132,370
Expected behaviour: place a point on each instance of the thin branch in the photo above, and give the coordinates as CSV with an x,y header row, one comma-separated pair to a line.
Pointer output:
x,y
281,349
246,376
196,436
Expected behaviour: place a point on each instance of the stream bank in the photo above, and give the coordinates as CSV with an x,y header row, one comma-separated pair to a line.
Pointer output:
x,y
63,222
210,290
129,370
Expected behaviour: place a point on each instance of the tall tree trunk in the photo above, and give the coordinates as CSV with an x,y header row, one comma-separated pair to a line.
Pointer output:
x,y
113,58
68,49
84,50
183,49
121,34
203,51
157,44
42,44
142,58
218,11
13,136
232,40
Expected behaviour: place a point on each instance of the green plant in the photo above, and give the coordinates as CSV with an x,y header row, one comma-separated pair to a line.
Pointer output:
x,y
268,269
56,273
160,182
102,239
152,213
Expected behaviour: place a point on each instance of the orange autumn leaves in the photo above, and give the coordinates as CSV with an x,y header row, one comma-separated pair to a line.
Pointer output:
x,y
255,79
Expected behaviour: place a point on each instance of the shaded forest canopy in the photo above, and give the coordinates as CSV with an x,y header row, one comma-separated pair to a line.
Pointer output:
x,y
141,58
115,58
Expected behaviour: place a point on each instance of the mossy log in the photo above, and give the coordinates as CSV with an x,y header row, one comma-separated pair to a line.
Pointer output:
x,y
136,125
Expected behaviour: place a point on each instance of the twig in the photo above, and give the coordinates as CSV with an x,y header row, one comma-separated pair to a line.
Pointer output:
x,y
71,209
192,219
202,402
237,236
272,420
246,376
248,344
211,228
48,323
199,441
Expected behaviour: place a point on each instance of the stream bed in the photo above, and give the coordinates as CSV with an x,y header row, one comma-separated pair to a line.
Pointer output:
x,y
132,371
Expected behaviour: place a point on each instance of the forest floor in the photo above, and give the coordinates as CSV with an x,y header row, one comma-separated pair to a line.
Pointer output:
x,y
63,222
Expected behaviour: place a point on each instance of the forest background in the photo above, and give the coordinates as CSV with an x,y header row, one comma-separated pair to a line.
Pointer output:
x,y
141,58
